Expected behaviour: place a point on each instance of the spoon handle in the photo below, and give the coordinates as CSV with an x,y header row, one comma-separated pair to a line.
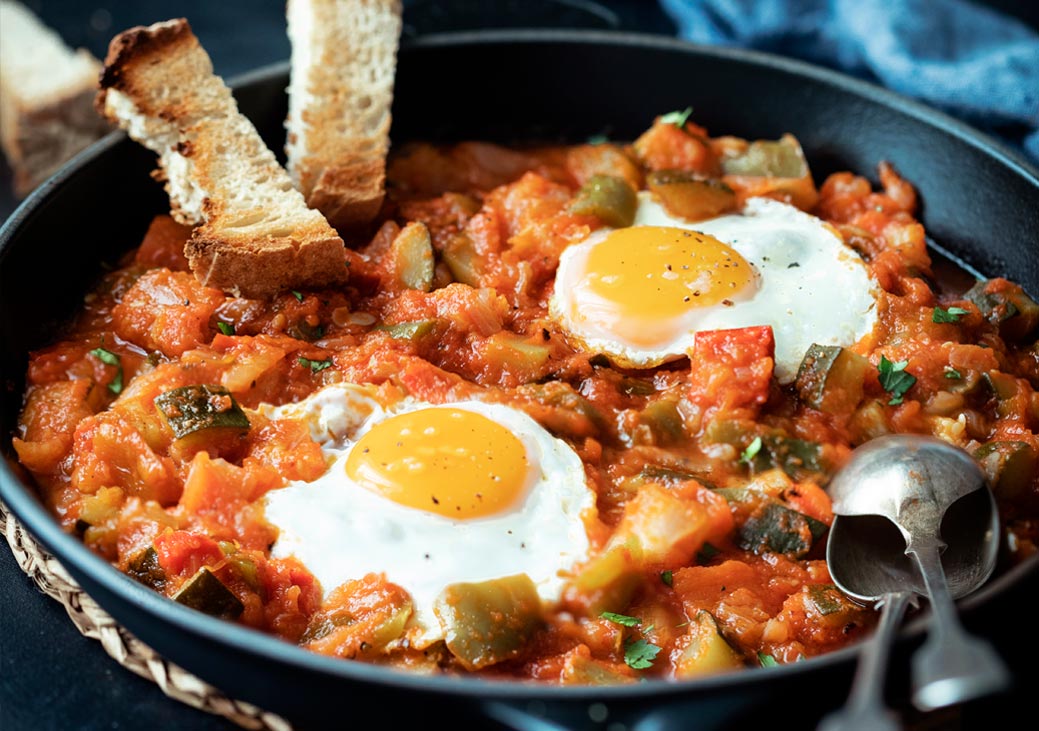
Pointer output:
x,y
865,709
952,666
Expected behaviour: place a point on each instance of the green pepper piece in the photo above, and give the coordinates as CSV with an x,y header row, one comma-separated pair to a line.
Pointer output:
x,y
767,159
691,197
610,199
412,331
490,621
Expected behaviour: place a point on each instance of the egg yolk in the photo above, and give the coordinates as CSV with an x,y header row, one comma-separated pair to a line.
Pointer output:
x,y
448,461
644,278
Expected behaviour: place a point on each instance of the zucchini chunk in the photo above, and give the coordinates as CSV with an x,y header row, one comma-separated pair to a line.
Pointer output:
x,y
411,331
490,621
190,410
831,378
703,651
772,527
411,258
206,593
1007,306
1010,467
144,568
610,199
689,196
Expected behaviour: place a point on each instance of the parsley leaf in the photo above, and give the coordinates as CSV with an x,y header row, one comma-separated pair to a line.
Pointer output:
x,y
894,379
950,315
225,328
751,451
706,553
297,295
622,619
667,577
952,373
639,654
678,118
315,365
766,660
597,140
109,358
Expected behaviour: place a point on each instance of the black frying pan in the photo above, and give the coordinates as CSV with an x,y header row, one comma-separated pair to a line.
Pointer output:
x,y
980,204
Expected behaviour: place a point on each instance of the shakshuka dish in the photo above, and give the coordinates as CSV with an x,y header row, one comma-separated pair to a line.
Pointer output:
x,y
571,419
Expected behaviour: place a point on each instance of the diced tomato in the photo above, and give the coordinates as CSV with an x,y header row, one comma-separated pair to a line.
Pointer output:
x,y
732,369
163,245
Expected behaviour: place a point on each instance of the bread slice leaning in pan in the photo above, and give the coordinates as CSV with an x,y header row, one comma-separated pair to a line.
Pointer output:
x,y
254,234
344,58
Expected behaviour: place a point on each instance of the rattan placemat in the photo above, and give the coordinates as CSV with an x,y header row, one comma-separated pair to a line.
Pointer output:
x,y
92,621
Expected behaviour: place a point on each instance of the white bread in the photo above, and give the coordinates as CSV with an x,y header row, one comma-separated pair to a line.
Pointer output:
x,y
344,58
46,98
254,234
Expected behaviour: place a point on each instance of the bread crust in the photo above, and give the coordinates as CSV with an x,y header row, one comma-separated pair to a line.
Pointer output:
x,y
254,235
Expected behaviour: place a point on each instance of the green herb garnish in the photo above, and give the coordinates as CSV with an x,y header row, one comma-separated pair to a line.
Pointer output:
x,y
667,577
706,553
766,660
894,379
950,315
622,619
297,295
751,451
315,365
109,358
598,140
639,654
952,373
678,118
225,328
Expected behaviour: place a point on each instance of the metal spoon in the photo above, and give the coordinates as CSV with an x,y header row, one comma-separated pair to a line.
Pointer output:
x,y
894,501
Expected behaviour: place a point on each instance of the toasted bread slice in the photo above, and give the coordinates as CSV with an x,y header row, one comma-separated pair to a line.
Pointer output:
x,y
46,95
254,233
344,59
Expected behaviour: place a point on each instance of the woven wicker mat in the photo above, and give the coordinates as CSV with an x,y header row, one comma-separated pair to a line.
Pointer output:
x,y
92,621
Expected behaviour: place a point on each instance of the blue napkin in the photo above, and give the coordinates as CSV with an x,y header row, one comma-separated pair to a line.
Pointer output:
x,y
970,61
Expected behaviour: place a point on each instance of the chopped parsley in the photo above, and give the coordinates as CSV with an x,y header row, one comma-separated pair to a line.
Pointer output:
x,y
226,328
950,315
297,295
598,140
766,660
109,358
315,365
894,379
751,451
639,654
667,577
952,373
678,118
622,619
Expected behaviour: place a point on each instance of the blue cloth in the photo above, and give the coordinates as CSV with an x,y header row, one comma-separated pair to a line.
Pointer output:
x,y
970,61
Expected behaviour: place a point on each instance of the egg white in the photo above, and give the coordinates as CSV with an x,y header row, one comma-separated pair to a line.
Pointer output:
x,y
341,531
810,287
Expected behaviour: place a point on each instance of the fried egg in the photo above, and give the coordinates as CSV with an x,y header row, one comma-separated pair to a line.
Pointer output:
x,y
432,495
640,294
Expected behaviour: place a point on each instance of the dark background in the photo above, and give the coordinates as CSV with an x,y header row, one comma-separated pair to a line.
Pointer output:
x,y
53,678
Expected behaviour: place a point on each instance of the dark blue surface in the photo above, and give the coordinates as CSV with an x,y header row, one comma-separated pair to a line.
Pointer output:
x,y
50,676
